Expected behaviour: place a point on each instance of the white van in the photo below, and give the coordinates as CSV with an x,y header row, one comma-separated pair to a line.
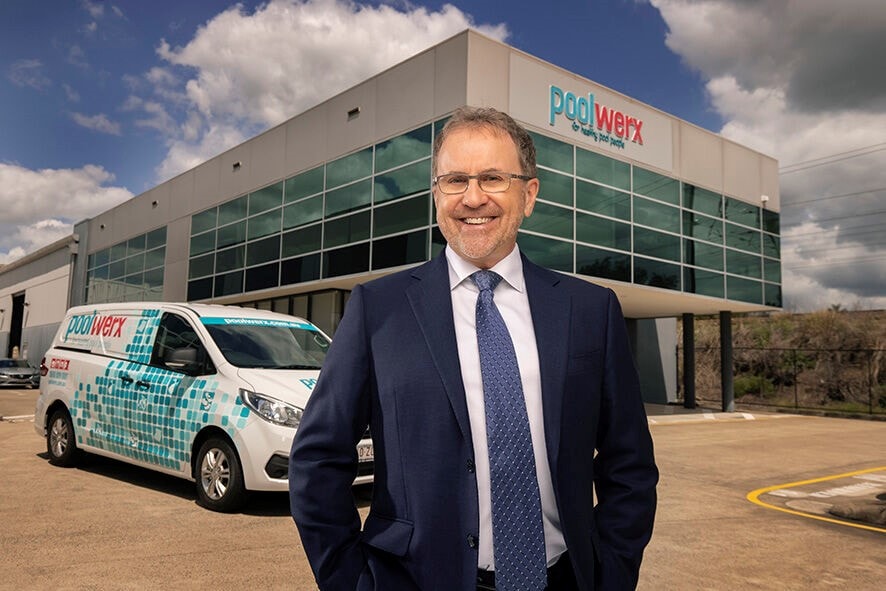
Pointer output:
x,y
209,393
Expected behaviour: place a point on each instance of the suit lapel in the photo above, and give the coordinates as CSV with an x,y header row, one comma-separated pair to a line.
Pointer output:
x,y
429,296
551,311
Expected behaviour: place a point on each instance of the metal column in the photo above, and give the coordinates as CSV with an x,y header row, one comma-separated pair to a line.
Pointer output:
x,y
689,360
726,381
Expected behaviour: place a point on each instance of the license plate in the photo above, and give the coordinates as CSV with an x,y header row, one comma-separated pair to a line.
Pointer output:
x,y
365,452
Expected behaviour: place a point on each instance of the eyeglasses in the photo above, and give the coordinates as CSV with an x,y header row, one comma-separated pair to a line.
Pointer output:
x,y
489,182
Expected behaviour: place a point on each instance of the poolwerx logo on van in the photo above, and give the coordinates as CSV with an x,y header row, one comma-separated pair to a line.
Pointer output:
x,y
107,326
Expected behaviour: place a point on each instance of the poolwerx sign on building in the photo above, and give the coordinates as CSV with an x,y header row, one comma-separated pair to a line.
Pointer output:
x,y
675,219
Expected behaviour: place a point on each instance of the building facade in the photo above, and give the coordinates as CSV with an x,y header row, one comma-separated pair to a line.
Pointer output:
x,y
675,219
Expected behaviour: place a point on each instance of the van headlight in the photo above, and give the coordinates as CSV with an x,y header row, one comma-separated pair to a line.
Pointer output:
x,y
272,410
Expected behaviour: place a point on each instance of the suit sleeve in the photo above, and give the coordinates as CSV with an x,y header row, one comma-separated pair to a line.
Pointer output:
x,y
323,462
625,474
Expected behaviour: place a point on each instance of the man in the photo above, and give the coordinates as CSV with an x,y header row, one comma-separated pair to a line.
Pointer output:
x,y
486,406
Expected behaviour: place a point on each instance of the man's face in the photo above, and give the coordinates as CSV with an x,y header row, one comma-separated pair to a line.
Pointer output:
x,y
482,227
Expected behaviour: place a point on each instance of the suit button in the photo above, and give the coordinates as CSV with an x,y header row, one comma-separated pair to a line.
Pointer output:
x,y
471,466
472,540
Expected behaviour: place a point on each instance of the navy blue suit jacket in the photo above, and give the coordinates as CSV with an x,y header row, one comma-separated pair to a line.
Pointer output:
x,y
394,366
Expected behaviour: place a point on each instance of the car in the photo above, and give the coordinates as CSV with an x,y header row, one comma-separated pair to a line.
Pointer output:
x,y
18,373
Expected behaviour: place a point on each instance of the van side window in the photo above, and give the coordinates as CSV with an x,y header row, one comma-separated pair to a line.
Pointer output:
x,y
178,347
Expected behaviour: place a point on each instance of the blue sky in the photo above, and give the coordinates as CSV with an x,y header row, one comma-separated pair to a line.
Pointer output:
x,y
104,100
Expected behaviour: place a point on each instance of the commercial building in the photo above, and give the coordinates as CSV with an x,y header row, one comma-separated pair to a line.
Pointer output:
x,y
676,219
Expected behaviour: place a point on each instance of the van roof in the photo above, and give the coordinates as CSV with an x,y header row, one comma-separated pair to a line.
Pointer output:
x,y
199,309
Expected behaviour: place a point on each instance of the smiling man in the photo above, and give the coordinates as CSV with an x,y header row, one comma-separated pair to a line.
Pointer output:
x,y
500,396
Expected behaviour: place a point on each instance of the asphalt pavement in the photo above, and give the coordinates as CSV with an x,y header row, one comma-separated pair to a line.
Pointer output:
x,y
745,502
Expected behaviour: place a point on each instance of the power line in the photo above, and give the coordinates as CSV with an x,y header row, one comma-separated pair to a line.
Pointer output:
x,y
836,262
843,234
855,194
838,157
845,217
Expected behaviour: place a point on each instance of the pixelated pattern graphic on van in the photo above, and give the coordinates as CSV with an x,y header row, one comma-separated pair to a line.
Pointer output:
x,y
151,414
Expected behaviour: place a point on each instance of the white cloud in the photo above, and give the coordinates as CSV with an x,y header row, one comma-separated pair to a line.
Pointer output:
x,y
245,72
99,123
794,80
29,72
27,239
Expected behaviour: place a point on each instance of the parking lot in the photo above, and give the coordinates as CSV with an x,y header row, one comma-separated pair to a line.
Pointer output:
x,y
108,525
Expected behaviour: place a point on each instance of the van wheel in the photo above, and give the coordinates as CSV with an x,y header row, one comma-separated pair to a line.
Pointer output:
x,y
220,484
61,444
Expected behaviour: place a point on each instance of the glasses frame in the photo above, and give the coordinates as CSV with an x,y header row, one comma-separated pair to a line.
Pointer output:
x,y
478,177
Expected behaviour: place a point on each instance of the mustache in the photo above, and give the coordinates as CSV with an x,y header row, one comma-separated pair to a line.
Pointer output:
x,y
480,212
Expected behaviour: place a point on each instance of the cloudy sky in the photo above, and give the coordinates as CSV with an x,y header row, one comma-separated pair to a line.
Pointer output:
x,y
104,100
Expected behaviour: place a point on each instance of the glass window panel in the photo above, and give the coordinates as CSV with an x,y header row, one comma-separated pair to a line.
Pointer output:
x,y
702,200
302,241
772,295
656,244
553,254
155,258
201,266
350,168
656,273
656,186
116,269
306,183
603,232
303,212
771,221
771,270
438,125
232,211
202,243
205,220
102,257
299,270
596,262
554,187
403,181
263,277
90,261
230,259
264,224
402,149
702,254
135,264
232,234
156,238
657,215
263,251
703,227
352,228
154,278
118,251
100,272
229,284
266,198
405,215
346,261
602,200
771,246
703,282
741,263
348,198
135,245
438,242
602,169
551,153
400,250
551,220
744,290
741,212
743,238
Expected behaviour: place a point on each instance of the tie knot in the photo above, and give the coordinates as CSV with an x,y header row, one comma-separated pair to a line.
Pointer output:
x,y
486,279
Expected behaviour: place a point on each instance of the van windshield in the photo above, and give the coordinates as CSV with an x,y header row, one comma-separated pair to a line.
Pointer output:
x,y
268,344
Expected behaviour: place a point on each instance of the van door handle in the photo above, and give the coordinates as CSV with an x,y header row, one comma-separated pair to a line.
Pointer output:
x,y
125,379
141,384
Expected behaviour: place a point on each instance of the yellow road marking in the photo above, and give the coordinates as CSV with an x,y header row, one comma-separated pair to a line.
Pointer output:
x,y
753,497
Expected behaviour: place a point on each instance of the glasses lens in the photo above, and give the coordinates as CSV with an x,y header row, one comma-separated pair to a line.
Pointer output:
x,y
453,183
493,182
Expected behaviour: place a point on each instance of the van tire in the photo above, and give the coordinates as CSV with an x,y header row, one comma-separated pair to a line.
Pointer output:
x,y
61,443
219,476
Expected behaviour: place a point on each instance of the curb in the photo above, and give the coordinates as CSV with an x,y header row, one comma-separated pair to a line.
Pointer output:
x,y
17,418
705,416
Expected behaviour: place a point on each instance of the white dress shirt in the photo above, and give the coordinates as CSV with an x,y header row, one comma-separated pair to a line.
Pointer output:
x,y
512,301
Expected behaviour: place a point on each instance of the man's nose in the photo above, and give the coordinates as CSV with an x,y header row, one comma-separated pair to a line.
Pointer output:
x,y
474,196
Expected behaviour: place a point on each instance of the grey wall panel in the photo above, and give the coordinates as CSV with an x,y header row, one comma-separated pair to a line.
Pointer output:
x,y
488,73
77,295
741,173
207,188
450,75
769,182
234,181
180,194
701,157
405,95
306,140
267,157
45,264
175,281
178,240
347,134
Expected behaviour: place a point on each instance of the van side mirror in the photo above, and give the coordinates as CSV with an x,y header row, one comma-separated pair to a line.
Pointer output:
x,y
182,359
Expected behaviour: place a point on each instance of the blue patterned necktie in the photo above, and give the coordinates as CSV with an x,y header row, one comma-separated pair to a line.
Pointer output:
x,y
517,530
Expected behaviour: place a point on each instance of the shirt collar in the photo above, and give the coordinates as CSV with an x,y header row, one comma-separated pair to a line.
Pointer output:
x,y
510,268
